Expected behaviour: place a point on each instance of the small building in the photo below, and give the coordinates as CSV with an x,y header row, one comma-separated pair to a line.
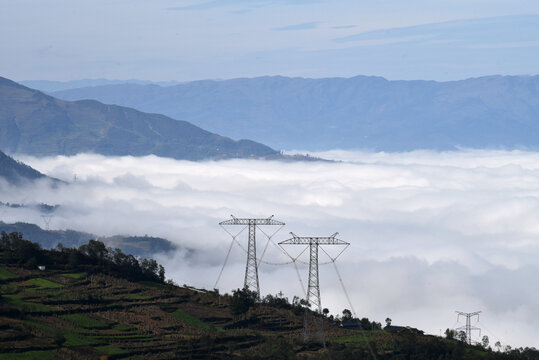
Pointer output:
x,y
41,267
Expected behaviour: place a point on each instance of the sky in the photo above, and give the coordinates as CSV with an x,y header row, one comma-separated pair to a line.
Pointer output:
x,y
430,233
165,40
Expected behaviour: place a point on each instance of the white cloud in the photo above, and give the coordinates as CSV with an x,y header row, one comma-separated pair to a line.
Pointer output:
x,y
430,233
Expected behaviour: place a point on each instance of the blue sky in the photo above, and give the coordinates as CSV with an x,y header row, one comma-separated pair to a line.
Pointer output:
x,y
188,40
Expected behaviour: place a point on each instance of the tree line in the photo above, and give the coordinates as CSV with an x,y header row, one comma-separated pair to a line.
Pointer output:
x,y
94,256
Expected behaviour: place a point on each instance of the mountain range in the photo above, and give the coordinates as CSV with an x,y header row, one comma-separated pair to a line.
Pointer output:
x,y
362,112
34,123
51,85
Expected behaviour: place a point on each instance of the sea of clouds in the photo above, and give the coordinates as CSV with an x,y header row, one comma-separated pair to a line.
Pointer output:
x,y
430,233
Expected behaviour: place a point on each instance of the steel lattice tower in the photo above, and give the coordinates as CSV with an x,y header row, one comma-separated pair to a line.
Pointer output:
x,y
251,268
468,327
47,220
313,288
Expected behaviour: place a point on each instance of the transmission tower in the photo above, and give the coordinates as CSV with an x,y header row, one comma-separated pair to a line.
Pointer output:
x,y
313,288
251,268
47,220
468,328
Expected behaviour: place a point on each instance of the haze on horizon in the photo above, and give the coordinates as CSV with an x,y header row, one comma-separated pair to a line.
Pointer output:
x,y
199,39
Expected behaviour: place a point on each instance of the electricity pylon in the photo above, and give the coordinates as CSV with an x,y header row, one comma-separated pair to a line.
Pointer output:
x,y
47,220
468,327
313,288
251,268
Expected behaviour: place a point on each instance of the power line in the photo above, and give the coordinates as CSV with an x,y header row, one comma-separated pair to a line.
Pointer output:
x,y
373,355
224,264
489,331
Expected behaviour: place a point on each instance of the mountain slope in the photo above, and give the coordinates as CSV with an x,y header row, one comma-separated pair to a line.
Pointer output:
x,y
15,172
48,239
354,113
34,123
89,303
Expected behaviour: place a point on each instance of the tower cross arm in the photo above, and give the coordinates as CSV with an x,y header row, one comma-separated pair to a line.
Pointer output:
x,y
307,240
243,221
468,314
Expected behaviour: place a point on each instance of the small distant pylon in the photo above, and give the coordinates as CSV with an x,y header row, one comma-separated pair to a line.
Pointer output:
x,y
47,220
313,289
468,328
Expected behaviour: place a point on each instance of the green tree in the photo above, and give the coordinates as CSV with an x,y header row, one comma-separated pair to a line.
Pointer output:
x,y
161,273
74,258
241,301
95,250
365,324
346,315
485,341
19,250
149,267
450,334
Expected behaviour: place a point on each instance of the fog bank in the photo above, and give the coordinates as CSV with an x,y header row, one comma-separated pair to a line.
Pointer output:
x,y
430,233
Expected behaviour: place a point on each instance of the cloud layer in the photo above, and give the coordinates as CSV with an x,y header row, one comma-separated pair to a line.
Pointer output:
x,y
430,233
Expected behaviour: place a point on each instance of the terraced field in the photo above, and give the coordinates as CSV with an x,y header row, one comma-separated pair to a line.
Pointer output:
x,y
59,314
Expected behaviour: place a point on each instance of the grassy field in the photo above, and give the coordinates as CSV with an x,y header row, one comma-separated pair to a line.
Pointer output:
x,y
74,275
78,339
6,274
17,300
109,350
39,325
191,320
122,327
85,321
139,297
44,283
8,289
29,355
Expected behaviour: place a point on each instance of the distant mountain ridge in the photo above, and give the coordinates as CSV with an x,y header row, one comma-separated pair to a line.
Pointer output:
x,y
38,124
135,245
15,172
362,112
49,86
